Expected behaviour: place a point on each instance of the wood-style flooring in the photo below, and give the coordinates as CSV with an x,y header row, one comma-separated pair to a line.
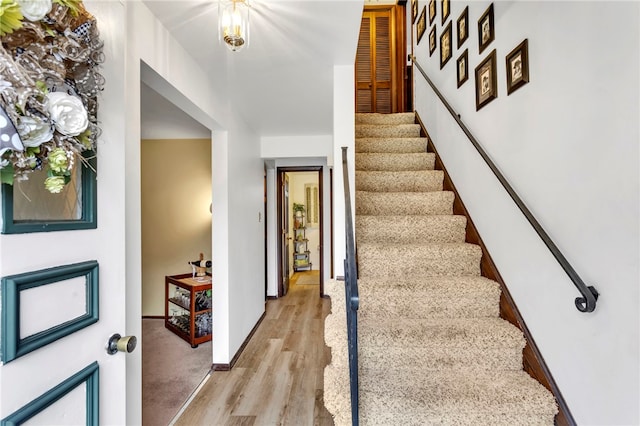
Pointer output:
x,y
278,378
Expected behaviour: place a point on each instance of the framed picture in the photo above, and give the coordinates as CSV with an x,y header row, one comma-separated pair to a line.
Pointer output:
x,y
421,26
486,81
445,46
444,8
432,41
518,67
462,69
414,10
486,31
463,26
432,11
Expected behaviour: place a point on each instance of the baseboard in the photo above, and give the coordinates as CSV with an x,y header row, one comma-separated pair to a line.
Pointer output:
x,y
228,367
153,317
272,297
532,360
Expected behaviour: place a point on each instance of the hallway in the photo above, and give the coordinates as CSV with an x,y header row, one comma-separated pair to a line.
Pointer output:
x,y
278,379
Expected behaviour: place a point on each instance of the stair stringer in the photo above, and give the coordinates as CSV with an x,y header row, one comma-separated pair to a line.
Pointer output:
x,y
532,359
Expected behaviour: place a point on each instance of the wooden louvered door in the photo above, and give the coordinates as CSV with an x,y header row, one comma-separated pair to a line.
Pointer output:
x,y
376,72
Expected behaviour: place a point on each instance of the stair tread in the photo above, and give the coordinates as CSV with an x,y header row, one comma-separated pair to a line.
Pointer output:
x,y
376,161
448,286
391,145
445,247
387,130
400,181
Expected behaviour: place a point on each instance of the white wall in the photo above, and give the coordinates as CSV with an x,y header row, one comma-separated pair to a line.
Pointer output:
x,y
343,136
297,146
238,268
568,143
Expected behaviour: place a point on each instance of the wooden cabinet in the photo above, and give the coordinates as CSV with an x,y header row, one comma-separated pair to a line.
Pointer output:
x,y
188,307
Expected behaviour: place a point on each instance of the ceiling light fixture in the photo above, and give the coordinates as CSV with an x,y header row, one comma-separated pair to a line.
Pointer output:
x,y
233,23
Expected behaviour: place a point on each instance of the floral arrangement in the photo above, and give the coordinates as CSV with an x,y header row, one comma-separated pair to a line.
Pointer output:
x,y
49,82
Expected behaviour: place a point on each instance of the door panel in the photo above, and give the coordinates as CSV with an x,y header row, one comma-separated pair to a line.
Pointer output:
x,y
285,239
67,374
374,72
379,67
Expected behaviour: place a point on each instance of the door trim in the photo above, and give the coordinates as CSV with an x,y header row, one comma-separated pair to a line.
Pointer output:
x,y
280,171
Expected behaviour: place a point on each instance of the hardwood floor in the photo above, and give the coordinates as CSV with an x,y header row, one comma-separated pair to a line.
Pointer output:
x,y
278,379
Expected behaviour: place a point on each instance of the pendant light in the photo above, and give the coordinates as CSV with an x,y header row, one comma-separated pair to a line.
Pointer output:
x,y
233,23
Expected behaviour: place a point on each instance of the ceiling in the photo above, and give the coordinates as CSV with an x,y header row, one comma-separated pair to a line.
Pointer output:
x,y
282,83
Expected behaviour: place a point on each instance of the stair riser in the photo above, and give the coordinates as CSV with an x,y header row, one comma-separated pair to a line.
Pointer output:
x,y
399,131
429,306
411,229
395,162
389,204
392,262
376,413
416,181
391,145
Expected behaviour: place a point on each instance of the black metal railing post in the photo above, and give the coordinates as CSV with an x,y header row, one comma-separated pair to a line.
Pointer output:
x,y
351,293
585,303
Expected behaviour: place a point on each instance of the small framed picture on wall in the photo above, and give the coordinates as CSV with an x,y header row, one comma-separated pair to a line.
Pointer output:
x,y
486,81
445,46
462,69
414,10
432,40
421,26
444,8
518,67
463,26
432,11
486,31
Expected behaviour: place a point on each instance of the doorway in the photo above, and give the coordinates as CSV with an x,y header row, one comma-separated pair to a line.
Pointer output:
x,y
301,231
176,226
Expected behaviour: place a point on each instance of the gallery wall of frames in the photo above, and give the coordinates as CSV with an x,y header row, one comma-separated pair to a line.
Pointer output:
x,y
443,38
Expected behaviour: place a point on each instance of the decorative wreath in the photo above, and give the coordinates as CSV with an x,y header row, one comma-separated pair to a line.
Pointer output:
x,y
49,84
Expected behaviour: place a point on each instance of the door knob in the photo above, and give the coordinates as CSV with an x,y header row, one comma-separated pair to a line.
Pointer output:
x,y
117,343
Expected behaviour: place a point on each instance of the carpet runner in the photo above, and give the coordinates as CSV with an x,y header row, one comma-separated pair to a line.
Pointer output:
x,y
432,348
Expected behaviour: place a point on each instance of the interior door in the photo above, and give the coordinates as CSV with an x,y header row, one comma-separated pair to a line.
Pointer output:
x,y
380,58
373,63
285,239
63,292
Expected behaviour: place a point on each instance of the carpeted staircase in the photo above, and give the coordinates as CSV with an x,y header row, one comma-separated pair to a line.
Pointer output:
x,y
432,348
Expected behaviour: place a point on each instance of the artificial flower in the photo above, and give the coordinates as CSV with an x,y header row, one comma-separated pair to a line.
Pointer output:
x,y
54,184
35,10
4,84
10,17
34,131
67,113
58,160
